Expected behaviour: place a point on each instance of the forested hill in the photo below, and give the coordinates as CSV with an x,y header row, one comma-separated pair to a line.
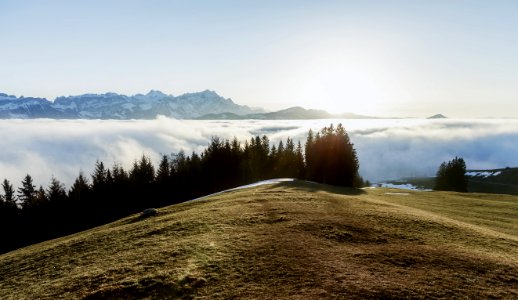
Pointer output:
x,y
32,214
501,181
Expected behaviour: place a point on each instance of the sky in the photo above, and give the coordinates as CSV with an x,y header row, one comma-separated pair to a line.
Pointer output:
x,y
382,58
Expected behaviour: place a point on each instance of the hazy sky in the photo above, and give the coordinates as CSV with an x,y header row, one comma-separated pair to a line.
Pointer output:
x,y
386,58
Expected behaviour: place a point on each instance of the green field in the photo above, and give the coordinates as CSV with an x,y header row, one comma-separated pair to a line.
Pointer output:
x,y
285,241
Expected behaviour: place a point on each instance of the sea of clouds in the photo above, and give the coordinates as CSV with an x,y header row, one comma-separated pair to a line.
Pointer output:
x,y
387,149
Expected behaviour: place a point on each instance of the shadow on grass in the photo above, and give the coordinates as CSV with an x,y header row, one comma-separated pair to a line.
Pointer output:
x,y
153,288
310,186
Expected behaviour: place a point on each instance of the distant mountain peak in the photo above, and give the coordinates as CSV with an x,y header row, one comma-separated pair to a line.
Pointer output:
x,y
438,116
155,94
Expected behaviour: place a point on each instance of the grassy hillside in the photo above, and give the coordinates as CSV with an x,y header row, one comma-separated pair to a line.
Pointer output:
x,y
289,240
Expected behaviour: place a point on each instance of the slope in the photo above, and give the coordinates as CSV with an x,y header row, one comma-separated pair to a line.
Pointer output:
x,y
293,240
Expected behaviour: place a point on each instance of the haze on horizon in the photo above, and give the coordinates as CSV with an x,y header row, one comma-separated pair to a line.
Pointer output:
x,y
390,58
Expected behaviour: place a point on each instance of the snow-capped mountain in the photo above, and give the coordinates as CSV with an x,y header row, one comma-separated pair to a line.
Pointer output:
x,y
12,107
115,106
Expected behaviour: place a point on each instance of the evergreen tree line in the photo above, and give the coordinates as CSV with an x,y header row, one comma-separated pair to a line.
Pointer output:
x,y
451,176
33,214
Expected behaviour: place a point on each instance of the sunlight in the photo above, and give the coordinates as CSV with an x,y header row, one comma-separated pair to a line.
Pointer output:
x,y
343,85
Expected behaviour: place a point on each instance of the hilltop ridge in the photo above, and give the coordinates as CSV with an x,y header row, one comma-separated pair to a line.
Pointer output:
x,y
284,240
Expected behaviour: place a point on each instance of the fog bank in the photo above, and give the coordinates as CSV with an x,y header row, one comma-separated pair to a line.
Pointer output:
x,y
387,149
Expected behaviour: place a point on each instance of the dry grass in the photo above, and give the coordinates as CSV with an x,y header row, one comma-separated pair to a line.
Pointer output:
x,y
291,240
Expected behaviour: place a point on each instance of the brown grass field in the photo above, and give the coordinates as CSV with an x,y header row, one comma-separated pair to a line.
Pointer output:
x,y
293,240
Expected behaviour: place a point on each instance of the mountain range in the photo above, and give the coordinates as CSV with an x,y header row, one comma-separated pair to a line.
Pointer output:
x,y
205,105
116,106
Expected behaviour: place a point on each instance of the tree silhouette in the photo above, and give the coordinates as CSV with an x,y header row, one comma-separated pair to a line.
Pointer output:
x,y
80,188
164,170
143,171
41,197
99,179
331,157
27,193
451,176
9,197
56,191
9,217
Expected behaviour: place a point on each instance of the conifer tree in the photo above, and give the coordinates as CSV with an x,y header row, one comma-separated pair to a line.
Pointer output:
x,y
99,179
299,162
109,177
80,186
164,170
119,174
143,171
56,191
451,176
41,197
331,157
8,197
27,193
9,219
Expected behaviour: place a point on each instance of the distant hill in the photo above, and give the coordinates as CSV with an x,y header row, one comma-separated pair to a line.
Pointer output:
x,y
494,181
292,113
498,181
438,116
283,240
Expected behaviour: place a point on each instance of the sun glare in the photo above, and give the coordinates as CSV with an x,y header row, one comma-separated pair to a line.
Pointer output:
x,y
342,85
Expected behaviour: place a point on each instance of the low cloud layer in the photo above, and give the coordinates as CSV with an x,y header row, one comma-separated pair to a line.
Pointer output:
x,y
387,149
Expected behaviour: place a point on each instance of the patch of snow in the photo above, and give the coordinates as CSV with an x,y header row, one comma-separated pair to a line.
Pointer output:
x,y
128,106
484,174
269,181
145,106
406,186
259,183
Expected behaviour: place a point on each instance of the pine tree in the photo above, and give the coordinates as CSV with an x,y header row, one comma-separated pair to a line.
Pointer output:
x,y
56,191
27,193
119,174
80,187
9,197
164,170
9,219
331,157
451,176
299,162
143,171
41,197
309,153
99,179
